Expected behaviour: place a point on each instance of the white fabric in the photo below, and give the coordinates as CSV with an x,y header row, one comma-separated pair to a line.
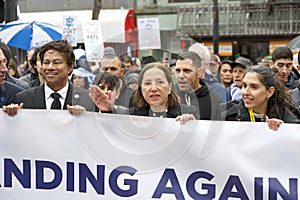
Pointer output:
x,y
240,157
7,34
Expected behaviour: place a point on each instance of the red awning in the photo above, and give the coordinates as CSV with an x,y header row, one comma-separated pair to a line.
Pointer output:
x,y
118,26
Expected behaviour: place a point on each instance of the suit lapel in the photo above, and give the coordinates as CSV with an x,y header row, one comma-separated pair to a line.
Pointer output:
x,y
69,96
39,97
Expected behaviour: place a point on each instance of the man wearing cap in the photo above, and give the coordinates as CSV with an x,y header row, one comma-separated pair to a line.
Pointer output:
x,y
239,67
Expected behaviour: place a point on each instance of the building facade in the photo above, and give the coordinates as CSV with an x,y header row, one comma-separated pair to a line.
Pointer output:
x,y
252,28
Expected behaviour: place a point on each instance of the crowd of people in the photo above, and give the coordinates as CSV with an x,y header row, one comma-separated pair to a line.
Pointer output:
x,y
194,86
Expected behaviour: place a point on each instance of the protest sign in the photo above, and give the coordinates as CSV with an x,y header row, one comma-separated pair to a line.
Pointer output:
x,y
70,29
149,33
93,41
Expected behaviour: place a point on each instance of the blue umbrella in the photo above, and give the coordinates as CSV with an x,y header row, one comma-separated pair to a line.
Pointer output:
x,y
28,34
84,73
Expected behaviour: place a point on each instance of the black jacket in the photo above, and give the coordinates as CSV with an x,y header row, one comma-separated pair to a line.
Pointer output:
x,y
205,100
171,112
34,98
125,96
8,92
236,111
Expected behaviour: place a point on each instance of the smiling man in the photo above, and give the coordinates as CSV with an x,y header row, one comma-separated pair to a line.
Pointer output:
x,y
8,90
57,60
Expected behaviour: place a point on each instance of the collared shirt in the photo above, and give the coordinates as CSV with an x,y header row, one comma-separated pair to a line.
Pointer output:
x,y
49,99
236,92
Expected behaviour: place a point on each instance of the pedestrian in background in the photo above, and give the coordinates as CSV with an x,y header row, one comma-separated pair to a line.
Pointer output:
x,y
35,62
225,73
282,60
112,63
214,65
12,69
204,54
32,72
239,67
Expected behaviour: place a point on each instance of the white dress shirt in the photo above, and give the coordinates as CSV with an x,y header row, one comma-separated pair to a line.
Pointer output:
x,y
49,99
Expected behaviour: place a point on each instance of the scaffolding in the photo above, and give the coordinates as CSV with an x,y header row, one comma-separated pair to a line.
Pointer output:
x,y
242,19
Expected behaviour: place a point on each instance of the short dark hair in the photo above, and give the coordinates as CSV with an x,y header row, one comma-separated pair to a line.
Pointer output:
x,y
6,51
34,56
147,59
62,46
111,57
107,79
34,59
282,52
196,60
127,59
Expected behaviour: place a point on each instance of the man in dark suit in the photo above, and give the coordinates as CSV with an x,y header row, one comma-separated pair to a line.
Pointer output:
x,y
7,53
57,60
8,90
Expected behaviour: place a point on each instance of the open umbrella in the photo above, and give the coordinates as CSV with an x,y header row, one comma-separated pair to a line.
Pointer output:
x,y
294,44
27,34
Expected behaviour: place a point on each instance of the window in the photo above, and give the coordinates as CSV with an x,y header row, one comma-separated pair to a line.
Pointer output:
x,y
183,1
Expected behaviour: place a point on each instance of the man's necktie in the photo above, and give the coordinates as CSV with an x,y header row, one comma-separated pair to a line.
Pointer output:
x,y
56,103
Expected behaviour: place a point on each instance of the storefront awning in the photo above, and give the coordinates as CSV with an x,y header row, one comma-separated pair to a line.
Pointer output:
x,y
115,24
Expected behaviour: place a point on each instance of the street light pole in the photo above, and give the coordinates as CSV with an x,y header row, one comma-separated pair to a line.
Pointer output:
x,y
10,13
2,9
216,27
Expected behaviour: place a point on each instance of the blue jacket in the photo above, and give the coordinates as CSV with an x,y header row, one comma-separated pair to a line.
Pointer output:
x,y
217,87
8,92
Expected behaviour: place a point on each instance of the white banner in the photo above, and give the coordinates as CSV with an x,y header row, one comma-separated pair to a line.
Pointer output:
x,y
54,155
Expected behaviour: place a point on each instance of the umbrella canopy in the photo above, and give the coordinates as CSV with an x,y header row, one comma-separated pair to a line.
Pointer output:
x,y
294,44
84,73
28,34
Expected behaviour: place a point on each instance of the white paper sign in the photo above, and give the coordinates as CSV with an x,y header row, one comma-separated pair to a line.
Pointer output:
x,y
70,29
149,33
54,155
93,40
